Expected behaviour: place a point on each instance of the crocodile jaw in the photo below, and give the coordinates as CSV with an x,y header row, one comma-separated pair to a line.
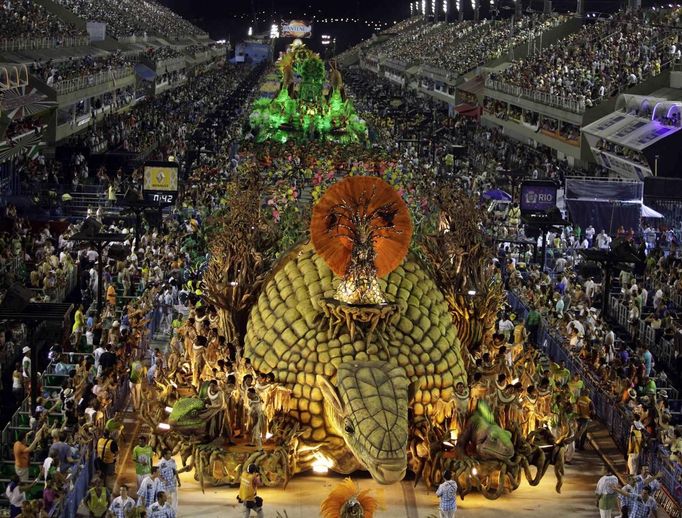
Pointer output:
x,y
388,472
373,424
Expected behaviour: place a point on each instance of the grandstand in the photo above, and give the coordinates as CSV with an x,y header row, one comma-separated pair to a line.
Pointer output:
x,y
59,85
457,48
127,18
539,77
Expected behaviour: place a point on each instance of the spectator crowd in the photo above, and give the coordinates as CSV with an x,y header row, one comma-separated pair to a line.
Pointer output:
x,y
126,18
601,58
28,19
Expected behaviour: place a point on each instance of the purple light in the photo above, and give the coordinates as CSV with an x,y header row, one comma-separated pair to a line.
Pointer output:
x,y
653,113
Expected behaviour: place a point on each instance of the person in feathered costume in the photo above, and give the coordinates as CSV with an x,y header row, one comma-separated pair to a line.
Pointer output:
x,y
347,501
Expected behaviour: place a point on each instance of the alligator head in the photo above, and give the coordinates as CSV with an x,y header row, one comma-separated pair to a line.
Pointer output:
x,y
368,408
190,416
484,438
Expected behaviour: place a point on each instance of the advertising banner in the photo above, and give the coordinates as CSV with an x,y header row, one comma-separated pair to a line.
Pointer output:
x,y
296,29
538,197
161,178
160,183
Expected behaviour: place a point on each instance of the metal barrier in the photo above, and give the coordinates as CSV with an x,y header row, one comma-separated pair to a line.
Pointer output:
x,y
616,418
79,483
545,98
7,44
78,83
618,311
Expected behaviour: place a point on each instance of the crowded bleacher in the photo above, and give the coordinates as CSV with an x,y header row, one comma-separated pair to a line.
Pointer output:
x,y
461,47
133,17
54,72
27,19
601,59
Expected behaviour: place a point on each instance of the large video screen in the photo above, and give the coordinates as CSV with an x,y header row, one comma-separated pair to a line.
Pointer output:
x,y
296,29
537,197
160,182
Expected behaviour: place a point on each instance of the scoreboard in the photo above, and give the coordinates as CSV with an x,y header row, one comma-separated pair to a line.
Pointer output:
x,y
160,186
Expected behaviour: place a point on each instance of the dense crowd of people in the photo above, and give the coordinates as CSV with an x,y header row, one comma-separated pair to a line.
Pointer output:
x,y
27,19
461,47
139,291
133,17
166,52
53,72
600,59
618,361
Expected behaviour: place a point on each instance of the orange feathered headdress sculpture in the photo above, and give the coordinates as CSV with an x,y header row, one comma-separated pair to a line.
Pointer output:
x,y
343,498
361,221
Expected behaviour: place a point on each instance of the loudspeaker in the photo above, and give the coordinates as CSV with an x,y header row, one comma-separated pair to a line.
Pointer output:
x,y
458,151
17,298
119,252
590,269
91,227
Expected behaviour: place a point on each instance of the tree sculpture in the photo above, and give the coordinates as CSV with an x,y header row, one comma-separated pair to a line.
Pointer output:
x,y
240,258
460,261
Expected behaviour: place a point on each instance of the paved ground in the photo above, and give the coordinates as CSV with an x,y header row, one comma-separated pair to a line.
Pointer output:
x,y
304,494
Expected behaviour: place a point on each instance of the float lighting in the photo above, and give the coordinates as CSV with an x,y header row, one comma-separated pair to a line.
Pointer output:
x,y
321,464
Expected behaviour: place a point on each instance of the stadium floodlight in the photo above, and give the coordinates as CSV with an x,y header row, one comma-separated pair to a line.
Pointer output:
x,y
445,6
434,9
423,6
250,32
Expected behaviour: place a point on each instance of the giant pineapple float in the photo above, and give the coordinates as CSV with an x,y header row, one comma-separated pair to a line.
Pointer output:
x,y
362,335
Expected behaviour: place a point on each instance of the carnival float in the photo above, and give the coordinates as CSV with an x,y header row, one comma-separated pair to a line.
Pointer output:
x,y
310,103
353,339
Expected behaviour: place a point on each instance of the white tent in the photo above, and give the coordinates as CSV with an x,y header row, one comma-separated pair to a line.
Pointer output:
x,y
648,212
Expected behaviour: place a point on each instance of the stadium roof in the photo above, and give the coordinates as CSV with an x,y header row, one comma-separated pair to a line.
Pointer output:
x,y
629,130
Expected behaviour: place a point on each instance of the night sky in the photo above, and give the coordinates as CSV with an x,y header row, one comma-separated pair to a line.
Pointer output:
x,y
232,18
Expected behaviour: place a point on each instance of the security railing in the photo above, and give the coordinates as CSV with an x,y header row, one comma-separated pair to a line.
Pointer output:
x,y
8,44
617,418
170,64
78,83
202,56
537,96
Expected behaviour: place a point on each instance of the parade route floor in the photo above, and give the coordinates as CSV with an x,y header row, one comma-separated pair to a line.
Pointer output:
x,y
304,493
